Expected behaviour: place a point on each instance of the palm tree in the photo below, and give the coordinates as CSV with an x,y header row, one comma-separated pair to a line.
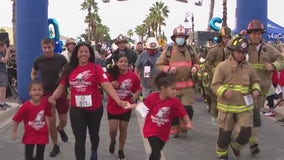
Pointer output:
x,y
92,17
14,20
211,11
130,33
141,31
224,19
159,12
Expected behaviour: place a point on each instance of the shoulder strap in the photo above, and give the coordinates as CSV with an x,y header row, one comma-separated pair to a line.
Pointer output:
x,y
168,53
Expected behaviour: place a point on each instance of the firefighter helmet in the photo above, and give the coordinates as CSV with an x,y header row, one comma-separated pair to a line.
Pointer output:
x,y
255,25
120,38
179,31
238,44
225,31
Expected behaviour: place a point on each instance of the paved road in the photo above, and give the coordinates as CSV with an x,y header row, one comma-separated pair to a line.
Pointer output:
x,y
198,145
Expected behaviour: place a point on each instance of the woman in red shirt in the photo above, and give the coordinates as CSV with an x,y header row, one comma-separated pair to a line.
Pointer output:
x,y
128,88
33,113
84,79
162,107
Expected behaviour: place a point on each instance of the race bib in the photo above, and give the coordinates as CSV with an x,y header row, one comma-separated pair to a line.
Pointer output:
x,y
248,100
147,71
83,100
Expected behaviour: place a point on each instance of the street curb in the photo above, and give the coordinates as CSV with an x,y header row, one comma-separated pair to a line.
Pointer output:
x,y
7,114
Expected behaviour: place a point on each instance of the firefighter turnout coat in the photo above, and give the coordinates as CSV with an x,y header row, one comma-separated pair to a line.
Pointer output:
x,y
183,76
240,78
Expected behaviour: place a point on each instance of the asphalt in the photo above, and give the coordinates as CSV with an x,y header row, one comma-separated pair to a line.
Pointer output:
x,y
136,146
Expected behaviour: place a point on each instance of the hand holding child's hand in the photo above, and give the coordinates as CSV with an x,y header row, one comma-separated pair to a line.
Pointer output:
x,y
51,101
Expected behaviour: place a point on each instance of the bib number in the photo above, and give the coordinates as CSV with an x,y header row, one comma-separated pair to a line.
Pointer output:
x,y
83,100
248,100
147,71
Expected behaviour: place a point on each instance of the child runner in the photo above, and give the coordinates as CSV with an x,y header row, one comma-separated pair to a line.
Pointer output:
x,y
128,88
162,107
33,114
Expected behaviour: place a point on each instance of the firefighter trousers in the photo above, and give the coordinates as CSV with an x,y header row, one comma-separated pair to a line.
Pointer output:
x,y
234,130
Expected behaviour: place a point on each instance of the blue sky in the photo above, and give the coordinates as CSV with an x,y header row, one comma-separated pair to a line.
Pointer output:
x,y
122,16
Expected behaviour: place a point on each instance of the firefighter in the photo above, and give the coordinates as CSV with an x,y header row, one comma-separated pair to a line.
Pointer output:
x,y
181,62
214,57
265,59
235,97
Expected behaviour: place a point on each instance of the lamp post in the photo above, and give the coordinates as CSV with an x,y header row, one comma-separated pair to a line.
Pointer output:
x,y
187,15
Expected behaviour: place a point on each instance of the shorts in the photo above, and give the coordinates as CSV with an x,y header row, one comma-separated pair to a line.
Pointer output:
x,y
62,103
3,79
123,117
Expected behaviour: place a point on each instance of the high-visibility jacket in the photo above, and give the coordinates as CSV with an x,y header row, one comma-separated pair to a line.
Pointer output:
x,y
240,78
183,63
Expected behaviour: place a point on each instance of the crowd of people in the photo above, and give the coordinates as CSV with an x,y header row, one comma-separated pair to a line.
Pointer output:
x,y
161,79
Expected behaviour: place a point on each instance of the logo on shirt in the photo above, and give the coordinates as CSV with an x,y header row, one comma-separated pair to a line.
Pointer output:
x,y
39,121
80,81
161,117
125,88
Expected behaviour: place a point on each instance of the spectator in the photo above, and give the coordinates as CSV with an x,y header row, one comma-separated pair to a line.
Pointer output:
x,y
139,48
70,44
4,56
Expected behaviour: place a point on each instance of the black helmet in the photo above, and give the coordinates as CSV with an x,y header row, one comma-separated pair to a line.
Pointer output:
x,y
238,44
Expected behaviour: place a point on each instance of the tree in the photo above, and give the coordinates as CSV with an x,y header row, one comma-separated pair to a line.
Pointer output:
x,y
211,11
224,19
159,12
130,33
92,17
14,20
141,31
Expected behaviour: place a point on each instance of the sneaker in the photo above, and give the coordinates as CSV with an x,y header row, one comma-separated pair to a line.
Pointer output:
x,y
111,147
254,149
175,132
235,151
121,155
214,121
54,151
94,155
7,105
63,135
2,107
269,114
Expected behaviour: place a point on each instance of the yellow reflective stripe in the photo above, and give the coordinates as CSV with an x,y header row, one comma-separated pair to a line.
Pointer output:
x,y
256,86
222,153
238,88
253,140
234,109
259,66
221,90
277,66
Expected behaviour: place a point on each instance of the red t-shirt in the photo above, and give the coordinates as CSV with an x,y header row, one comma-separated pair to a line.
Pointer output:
x,y
84,82
129,83
34,118
161,113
